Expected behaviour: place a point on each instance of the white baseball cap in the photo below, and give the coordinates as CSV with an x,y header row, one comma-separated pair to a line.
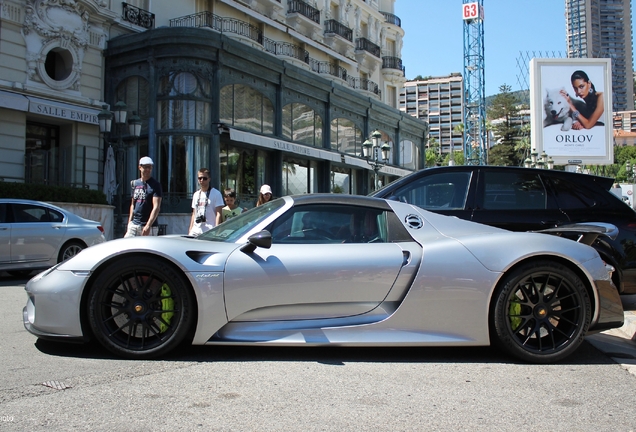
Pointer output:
x,y
265,189
146,161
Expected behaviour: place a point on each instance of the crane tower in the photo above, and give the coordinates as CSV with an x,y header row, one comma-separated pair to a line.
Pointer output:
x,y
475,142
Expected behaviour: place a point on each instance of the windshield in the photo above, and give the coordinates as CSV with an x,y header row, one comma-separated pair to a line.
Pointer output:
x,y
234,228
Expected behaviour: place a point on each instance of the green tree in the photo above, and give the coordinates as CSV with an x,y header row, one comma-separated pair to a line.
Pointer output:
x,y
504,114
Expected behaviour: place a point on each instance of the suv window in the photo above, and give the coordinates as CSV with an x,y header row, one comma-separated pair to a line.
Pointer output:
x,y
513,191
447,191
571,195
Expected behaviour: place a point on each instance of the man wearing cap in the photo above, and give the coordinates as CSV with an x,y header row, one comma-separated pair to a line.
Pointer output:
x,y
146,202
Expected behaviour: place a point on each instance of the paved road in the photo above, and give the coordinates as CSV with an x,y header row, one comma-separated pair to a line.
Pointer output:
x,y
73,387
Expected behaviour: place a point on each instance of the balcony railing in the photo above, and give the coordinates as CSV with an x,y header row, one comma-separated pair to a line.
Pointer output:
x,y
393,63
365,44
221,24
299,6
334,27
286,49
392,19
364,84
328,68
138,16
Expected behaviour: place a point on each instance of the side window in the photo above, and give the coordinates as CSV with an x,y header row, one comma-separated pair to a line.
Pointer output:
x,y
447,191
574,196
55,216
3,213
28,213
330,224
512,191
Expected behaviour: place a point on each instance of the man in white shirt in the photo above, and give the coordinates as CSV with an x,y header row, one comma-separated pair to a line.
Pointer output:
x,y
207,204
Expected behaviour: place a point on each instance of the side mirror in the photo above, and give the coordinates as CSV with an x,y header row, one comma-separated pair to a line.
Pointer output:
x,y
261,239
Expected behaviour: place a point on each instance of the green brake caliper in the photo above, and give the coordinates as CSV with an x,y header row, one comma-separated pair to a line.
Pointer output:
x,y
167,304
513,312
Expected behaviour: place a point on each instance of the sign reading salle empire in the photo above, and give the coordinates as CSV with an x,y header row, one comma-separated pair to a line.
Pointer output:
x,y
67,112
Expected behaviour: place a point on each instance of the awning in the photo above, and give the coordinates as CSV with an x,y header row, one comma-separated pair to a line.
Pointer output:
x,y
313,152
13,101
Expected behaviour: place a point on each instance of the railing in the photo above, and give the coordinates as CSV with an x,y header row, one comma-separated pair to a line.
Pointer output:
x,y
221,24
334,27
200,19
286,49
365,44
392,19
299,6
138,16
364,84
328,68
393,63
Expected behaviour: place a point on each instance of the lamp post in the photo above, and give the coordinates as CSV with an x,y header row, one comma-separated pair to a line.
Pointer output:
x,y
536,161
376,155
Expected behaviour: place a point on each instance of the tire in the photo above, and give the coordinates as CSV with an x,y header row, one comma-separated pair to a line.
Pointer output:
x,y
69,250
541,312
140,308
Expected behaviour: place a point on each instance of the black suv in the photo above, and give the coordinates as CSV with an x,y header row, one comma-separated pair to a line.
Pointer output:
x,y
526,199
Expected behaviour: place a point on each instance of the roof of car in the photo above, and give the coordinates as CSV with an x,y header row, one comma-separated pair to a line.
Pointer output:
x,y
604,182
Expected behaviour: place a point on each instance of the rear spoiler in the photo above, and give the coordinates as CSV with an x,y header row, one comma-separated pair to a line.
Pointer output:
x,y
584,232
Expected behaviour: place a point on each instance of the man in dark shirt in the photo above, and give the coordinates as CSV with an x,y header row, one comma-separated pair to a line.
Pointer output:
x,y
146,202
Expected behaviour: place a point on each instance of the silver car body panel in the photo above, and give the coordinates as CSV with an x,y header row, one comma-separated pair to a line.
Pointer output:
x,y
36,244
433,290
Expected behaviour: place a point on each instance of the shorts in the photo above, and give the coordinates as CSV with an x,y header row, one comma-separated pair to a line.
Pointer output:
x,y
136,230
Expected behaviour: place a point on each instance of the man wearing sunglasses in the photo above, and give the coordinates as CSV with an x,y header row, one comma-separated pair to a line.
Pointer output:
x,y
146,202
207,204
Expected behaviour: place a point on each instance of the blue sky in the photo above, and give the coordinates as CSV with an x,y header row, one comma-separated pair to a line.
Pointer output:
x,y
433,41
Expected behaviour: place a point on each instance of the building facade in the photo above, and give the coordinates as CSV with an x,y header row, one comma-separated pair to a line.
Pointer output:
x,y
282,92
603,29
437,101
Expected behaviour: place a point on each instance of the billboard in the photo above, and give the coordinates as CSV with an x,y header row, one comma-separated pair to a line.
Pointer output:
x,y
571,110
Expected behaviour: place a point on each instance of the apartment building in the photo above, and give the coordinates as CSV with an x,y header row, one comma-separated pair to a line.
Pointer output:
x,y
282,92
603,29
437,101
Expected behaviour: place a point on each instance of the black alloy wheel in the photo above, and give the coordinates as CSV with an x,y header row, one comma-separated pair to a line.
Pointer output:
x,y
542,312
141,308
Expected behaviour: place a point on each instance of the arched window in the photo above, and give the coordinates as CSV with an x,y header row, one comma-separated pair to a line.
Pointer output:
x,y
346,137
246,108
409,155
183,131
302,124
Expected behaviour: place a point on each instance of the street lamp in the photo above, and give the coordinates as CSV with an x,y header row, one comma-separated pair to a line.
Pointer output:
x,y
376,155
536,161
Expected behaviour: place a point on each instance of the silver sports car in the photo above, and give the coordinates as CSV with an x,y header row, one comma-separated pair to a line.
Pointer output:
x,y
330,270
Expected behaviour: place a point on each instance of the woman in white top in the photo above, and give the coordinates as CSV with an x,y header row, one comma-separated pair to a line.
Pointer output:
x,y
207,204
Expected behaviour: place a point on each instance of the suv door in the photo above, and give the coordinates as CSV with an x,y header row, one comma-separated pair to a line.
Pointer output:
x,y
515,200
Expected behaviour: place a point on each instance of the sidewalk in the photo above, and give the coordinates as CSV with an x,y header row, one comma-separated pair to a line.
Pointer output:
x,y
620,343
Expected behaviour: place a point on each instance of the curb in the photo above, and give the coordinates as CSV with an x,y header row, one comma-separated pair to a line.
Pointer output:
x,y
628,330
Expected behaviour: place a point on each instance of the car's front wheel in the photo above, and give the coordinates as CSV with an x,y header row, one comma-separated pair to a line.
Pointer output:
x,y
541,312
140,308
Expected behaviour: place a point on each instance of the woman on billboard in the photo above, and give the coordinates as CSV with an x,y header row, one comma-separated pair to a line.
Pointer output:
x,y
585,117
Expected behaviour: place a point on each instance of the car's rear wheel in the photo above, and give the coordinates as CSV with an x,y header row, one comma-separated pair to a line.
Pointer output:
x,y
140,308
69,250
541,312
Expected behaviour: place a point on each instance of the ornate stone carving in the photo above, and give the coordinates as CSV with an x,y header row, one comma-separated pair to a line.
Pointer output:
x,y
56,33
